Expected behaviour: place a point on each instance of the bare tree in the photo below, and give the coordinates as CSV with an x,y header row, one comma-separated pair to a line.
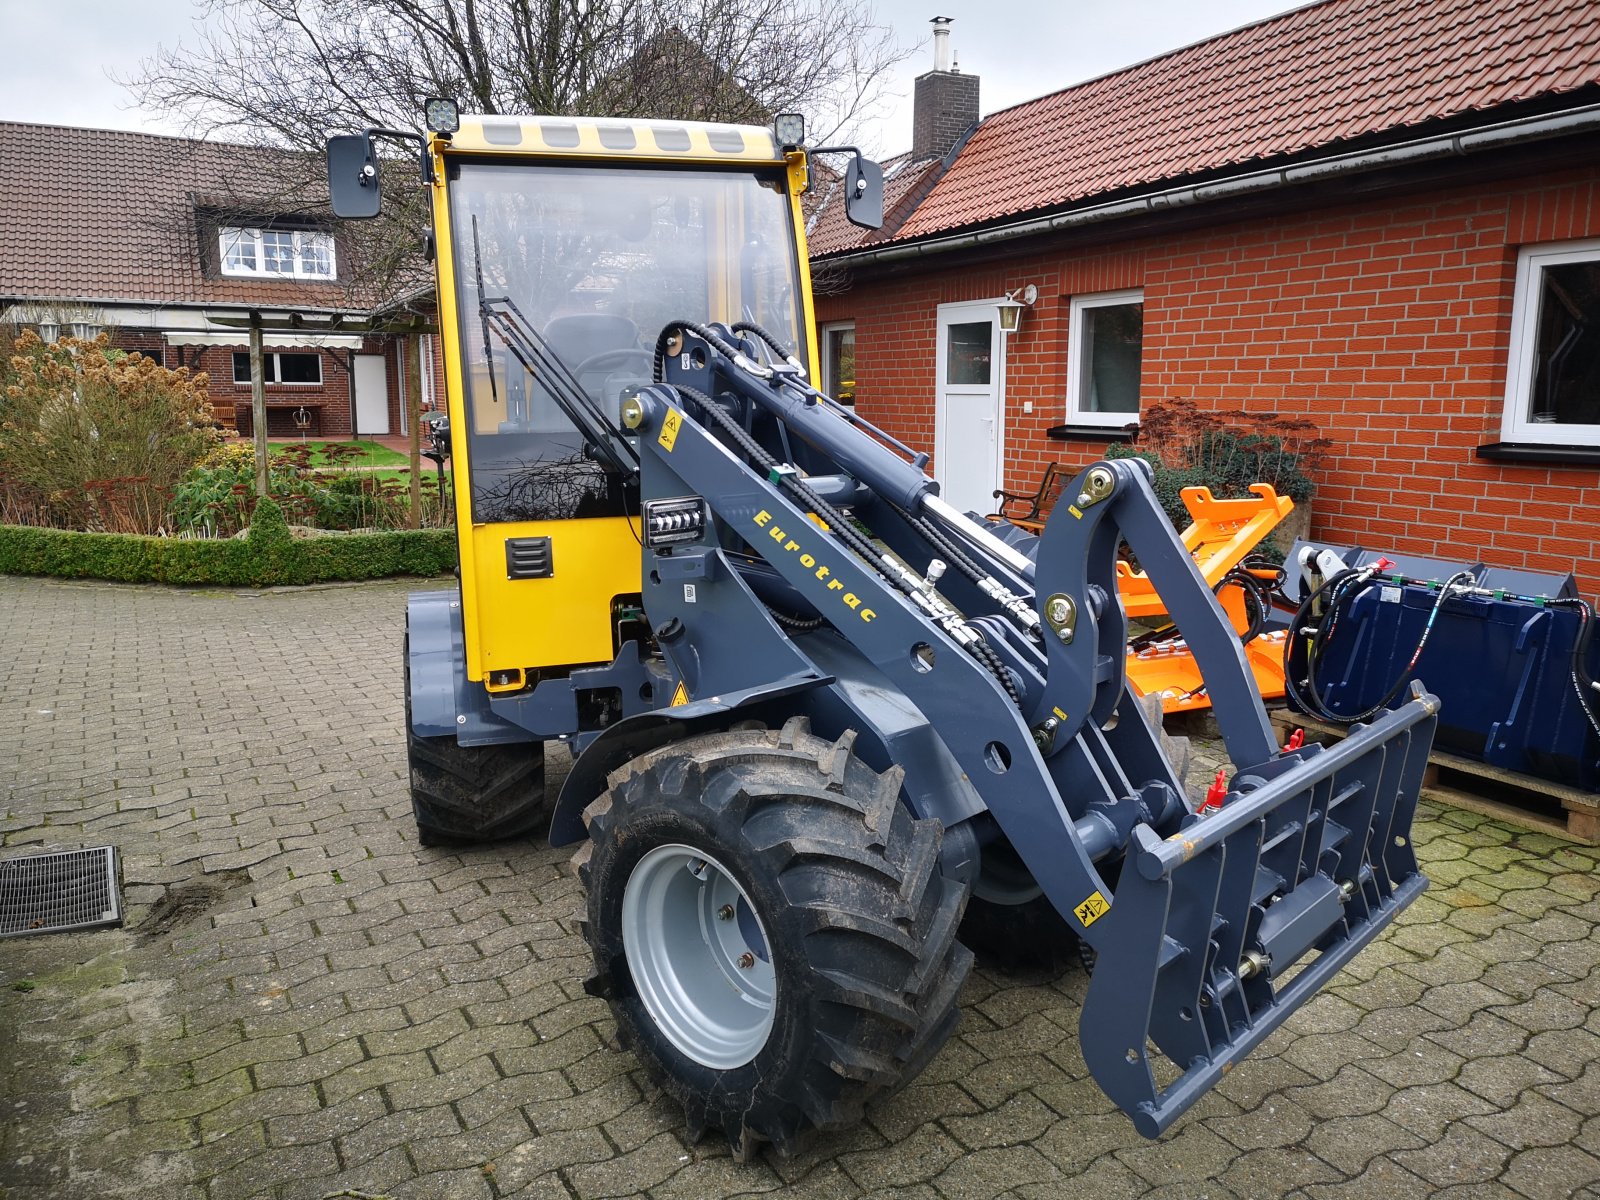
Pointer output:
x,y
283,74
287,72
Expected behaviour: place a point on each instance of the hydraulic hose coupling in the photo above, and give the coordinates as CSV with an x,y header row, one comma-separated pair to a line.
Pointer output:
x,y
1216,793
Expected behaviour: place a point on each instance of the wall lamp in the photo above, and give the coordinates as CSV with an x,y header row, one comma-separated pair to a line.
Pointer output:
x,y
1011,307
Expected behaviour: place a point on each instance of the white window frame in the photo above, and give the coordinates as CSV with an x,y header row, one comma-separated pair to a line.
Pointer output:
x,y
275,372
1076,414
231,236
1515,425
830,386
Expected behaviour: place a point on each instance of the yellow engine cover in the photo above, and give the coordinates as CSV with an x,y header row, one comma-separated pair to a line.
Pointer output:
x,y
563,620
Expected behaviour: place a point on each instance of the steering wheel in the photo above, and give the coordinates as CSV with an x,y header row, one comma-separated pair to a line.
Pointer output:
x,y
610,361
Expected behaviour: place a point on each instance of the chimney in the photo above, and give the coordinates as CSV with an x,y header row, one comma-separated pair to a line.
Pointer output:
x,y
945,104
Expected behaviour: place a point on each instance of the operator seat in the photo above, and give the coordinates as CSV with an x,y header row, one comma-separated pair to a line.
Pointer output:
x,y
602,350
584,335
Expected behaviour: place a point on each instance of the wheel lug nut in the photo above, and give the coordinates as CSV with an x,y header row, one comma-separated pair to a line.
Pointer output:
x,y
747,960
725,913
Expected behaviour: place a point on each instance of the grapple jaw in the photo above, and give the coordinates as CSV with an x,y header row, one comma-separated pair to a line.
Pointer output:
x,y
1208,944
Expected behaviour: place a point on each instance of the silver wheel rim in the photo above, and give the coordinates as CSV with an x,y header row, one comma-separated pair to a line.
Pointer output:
x,y
699,956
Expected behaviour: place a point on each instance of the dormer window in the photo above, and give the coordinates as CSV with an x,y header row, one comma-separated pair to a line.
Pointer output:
x,y
276,253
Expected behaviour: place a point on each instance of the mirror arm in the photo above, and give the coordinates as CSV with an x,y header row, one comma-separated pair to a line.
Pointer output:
x,y
424,162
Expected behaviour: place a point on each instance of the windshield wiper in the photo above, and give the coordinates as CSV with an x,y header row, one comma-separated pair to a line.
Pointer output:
x,y
501,315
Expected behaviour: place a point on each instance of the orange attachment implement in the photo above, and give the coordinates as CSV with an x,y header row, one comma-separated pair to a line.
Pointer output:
x,y
1219,536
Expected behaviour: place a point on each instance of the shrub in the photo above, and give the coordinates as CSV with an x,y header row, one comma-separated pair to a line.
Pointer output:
x,y
93,438
266,557
217,497
1223,451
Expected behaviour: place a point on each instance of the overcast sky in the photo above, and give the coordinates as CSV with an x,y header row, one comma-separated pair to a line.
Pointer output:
x,y
59,51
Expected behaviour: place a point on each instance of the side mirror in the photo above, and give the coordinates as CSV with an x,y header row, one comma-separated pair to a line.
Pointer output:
x,y
863,197
353,177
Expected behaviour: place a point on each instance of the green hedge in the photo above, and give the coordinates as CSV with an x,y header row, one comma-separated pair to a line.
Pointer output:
x,y
266,556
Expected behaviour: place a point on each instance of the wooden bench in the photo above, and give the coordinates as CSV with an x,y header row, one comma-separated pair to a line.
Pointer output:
x,y
1039,502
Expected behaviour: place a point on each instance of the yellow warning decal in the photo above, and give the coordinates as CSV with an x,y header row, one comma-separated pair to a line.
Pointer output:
x,y
1092,909
1060,716
669,434
680,695
1076,512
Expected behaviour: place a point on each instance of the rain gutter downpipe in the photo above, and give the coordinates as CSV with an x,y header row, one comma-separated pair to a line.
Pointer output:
x,y
1490,137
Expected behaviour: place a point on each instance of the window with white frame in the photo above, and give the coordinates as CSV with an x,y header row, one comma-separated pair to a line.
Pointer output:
x,y
279,368
276,253
1553,380
839,361
1104,356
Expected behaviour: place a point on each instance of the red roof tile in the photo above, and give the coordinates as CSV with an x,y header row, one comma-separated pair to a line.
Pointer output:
x,y
106,215
1308,80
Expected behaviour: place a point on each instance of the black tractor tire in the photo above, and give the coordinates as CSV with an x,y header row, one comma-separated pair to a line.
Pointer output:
x,y
464,794
856,926
1010,923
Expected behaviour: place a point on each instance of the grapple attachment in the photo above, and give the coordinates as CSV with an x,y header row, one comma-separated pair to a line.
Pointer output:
x,y
1210,938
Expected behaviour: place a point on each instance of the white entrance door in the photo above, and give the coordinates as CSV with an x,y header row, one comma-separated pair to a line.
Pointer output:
x,y
969,433
372,395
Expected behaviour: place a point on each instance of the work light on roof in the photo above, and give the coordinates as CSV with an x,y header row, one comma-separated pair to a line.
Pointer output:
x,y
789,129
441,114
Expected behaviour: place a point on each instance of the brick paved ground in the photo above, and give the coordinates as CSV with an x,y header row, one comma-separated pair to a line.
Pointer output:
x,y
307,1003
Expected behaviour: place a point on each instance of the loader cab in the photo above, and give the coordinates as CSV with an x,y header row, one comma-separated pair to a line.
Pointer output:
x,y
593,234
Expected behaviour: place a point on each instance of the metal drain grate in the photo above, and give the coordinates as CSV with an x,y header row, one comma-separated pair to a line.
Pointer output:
x,y
53,893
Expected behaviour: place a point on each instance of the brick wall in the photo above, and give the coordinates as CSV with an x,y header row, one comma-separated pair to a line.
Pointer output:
x,y
1386,322
329,400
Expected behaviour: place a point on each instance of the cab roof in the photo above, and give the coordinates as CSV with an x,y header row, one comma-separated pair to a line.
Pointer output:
x,y
614,137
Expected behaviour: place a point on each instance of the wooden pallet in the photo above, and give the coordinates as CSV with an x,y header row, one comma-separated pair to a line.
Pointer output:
x,y
1511,796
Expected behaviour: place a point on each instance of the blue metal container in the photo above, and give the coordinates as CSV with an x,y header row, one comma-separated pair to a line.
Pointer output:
x,y
1500,664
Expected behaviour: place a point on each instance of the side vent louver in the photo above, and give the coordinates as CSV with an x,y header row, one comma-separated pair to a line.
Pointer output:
x,y
528,558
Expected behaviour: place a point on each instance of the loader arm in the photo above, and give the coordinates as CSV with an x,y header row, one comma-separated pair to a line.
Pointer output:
x,y
1218,926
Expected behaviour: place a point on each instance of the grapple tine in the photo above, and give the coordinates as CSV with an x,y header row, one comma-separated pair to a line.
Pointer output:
x,y
1209,940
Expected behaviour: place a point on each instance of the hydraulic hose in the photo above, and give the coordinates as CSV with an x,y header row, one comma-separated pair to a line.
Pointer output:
x,y
1342,590
1582,683
773,343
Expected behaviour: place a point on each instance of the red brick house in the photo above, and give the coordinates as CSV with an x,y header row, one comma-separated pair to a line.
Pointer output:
x,y
169,246
1383,215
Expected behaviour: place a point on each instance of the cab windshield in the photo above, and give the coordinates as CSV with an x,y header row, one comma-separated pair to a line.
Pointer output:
x,y
596,261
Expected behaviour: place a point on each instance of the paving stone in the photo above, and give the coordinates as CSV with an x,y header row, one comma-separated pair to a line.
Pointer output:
x,y
529,1158
354,1011
1501,1078
984,1174
1192,1155
917,1105
1350,1143
1552,1171
1383,1180
1462,1155
1274,1122
1106,1179
1351,1092
1533,1121
1324,1055
1275,1172
1021,1119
